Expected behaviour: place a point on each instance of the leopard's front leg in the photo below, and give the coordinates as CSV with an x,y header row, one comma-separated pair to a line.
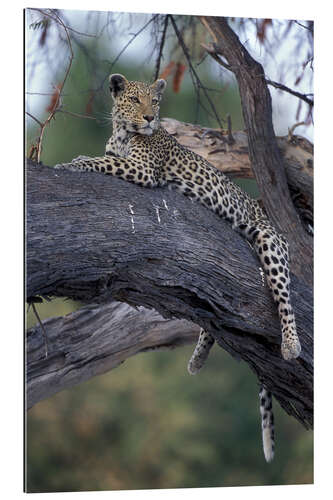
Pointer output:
x,y
130,168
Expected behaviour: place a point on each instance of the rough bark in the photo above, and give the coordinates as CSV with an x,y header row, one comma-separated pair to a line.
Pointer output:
x,y
96,238
265,157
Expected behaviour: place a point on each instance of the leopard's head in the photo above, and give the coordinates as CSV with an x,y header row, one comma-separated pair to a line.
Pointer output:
x,y
136,104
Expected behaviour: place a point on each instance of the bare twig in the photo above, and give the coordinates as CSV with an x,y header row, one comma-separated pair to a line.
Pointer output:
x,y
132,39
34,118
65,26
309,28
47,121
42,328
41,93
213,52
280,86
160,51
135,35
292,129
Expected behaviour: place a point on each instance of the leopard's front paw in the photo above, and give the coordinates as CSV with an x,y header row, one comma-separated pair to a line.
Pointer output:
x,y
291,349
61,166
81,157
73,167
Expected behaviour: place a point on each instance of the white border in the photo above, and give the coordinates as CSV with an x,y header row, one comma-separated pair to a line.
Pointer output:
x,y
12,242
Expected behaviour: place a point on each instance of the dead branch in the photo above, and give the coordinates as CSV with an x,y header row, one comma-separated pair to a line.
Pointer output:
x,y
233,159
94,340
280,86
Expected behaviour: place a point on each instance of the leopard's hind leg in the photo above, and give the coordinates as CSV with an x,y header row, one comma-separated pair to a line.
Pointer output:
x,y
273,252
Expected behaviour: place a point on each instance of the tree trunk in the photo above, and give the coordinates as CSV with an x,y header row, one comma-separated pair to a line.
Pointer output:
x,y
95,238
265,157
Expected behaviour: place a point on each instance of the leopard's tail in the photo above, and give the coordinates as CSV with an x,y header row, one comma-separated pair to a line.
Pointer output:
x,y
267,423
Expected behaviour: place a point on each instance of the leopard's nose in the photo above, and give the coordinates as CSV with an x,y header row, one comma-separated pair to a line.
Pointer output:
x,y
149,118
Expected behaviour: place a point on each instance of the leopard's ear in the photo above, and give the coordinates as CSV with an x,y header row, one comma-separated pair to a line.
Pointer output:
x,y
117,84
159,86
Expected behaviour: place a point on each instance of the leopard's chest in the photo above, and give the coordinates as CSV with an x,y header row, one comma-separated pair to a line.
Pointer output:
x,y
119,143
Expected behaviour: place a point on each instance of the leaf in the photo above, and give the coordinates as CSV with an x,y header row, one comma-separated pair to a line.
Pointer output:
x,y
168,70
261,30
54,100
178,77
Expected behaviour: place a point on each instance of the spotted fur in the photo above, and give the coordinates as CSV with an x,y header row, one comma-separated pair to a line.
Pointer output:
x,y
201,352
267,423
140,150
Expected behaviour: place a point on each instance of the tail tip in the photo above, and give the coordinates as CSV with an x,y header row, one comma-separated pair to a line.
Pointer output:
x,y
268,444
269,455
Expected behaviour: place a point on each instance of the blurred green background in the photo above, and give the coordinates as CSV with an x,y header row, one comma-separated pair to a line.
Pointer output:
x,y
148,424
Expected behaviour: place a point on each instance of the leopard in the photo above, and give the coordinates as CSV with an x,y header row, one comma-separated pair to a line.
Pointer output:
x,y
141,151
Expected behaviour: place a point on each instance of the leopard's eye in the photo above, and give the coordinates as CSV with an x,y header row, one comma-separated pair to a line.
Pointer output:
x,y
134,99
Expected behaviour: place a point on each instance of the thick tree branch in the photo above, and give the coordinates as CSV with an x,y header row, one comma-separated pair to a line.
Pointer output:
x,y
265,157
94,340
96,238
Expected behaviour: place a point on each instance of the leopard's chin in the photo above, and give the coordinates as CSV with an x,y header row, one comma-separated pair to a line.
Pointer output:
x,y
145,131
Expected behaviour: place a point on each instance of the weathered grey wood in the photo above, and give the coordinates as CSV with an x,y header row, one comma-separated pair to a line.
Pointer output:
x,y
96,238
94,340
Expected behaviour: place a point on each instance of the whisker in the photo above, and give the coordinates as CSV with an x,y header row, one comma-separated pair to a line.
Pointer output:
x,y
103,118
